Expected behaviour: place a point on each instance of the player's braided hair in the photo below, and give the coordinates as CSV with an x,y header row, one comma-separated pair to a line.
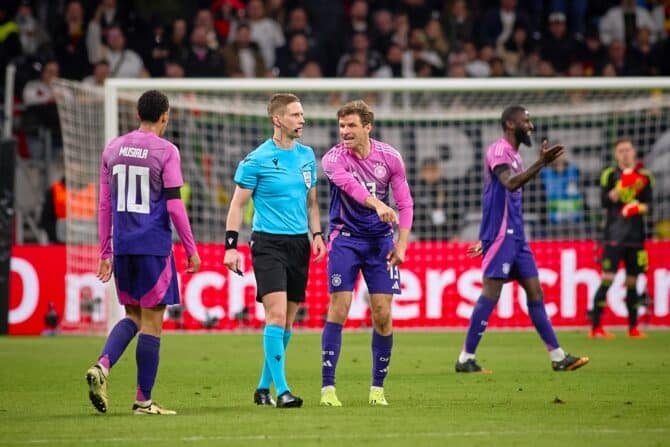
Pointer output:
x,y
151,105
357,107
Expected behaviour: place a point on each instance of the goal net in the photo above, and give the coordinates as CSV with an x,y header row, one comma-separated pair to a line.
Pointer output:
x,y
441,127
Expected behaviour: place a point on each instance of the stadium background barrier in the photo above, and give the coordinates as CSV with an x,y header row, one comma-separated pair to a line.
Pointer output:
x,y
216,122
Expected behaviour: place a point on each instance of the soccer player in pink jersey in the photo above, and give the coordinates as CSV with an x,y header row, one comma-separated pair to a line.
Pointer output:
x,y
503,242
140,179
362,172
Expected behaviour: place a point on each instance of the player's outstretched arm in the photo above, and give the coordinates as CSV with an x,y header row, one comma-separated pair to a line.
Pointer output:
x,y
232,258
547,155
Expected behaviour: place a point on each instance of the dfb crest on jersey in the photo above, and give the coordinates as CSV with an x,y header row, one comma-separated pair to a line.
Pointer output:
x,y
336,280
307,177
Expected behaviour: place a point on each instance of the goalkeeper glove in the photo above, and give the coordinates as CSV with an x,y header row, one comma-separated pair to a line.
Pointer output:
x,y
631,209
633,179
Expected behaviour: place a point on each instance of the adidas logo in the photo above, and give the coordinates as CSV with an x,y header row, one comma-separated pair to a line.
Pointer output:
x,y
396,285
327,364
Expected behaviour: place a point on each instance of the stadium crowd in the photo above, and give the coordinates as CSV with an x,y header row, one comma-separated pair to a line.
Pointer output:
x,y
90,40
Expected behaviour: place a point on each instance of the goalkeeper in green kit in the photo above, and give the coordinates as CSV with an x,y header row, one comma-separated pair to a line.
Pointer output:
x,y
626,194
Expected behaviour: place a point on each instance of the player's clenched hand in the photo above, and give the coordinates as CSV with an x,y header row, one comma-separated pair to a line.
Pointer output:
x,y
193,263
318,248
104,270
386,214
475,250
232,260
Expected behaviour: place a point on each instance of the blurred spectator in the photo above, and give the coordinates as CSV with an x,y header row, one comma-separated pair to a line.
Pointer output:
x,y
660,14
70,43
516,49
178,42
622,22
457,70
435,39
457,22
100,73
435,213
402,30
32,35
202,61
382,31
497,67
592,53
242,58
619,60
498,23
205,19
312,70
418,50
576,12
358,18
298,22
156,50
276,10
123,62
54,212
545,69
640,53
225,12
174,69
292,58
558,47
360,50
392,67
475,67
38,97
564,199
266,32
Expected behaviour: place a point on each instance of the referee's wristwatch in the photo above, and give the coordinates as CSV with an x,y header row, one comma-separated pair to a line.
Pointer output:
x,y
317,233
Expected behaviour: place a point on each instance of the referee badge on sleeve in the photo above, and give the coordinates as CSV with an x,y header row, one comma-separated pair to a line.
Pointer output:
x,y
307,177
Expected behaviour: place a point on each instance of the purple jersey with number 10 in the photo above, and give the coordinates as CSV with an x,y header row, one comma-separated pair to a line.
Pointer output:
x,y
138,166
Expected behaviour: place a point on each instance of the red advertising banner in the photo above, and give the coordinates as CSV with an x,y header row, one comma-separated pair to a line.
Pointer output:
x,y
440,286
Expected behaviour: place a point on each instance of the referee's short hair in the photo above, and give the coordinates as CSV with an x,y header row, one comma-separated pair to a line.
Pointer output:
x,y
278,103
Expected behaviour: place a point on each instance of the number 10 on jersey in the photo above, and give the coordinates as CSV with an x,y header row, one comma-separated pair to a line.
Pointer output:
x,y
132,176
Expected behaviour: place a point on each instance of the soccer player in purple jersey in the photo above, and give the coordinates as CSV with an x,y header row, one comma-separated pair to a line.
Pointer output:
x,y
503,243
362,171
140,178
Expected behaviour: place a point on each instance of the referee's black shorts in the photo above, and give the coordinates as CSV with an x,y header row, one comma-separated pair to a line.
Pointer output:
x,y
281,263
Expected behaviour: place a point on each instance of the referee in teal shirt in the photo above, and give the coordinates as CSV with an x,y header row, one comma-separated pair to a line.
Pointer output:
x,y
280,176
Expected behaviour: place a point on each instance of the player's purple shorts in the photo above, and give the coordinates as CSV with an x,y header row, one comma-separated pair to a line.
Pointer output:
x,y
146,280
348,255
508,258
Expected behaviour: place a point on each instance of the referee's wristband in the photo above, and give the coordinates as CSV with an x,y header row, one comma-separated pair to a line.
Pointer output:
x,y
317,233
231,239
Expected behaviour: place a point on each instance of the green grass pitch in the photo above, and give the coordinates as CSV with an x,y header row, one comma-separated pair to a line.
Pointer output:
x,y
622,398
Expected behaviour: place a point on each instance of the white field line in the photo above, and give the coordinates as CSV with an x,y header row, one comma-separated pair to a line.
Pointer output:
x,y
342,436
